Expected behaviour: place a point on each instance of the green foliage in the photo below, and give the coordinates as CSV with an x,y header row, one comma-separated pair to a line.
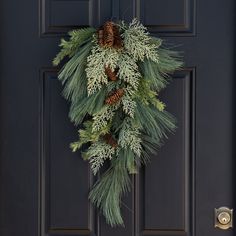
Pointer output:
x,y
157,73
129,137
148,96
86,135
150,147
137,123
87,106
73,75
107,192
138,44
154,123
99,58
128,105
128,71
103,117
97,153
70,47
132,162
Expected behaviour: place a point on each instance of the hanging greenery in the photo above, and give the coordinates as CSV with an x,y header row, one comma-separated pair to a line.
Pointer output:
x,y
112,79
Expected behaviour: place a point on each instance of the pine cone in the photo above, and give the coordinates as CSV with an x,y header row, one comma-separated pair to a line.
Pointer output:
x,y
110,140
118,43
115,97
109,36
100,37
112,75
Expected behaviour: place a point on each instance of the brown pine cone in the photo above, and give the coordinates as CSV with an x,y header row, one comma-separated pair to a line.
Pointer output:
x,y
100,37
115,97
112,75
118,43
110,140
109,36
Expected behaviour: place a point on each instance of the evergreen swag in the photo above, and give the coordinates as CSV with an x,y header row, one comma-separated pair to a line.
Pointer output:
x,y
112,79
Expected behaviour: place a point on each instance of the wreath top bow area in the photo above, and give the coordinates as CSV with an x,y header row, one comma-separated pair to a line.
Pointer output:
x,y
112,78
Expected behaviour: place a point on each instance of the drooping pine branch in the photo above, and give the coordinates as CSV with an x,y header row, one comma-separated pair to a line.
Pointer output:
x,y
70,47
107,192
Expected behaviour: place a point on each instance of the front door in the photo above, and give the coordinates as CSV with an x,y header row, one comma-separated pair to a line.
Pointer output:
x,y
44,187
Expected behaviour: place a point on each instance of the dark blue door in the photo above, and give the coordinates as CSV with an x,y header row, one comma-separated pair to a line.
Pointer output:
x,y
44,187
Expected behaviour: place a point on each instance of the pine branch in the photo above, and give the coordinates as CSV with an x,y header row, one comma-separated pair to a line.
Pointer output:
x,y
132,161
97,61
138,43
154,123
86,135
128,105
73,75
128,71
147,96
107,192
87,106
129,137
97,154
103,117
70,47
158,73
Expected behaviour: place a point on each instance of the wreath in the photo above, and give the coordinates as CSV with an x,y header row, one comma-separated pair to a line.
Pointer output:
x,y
112,80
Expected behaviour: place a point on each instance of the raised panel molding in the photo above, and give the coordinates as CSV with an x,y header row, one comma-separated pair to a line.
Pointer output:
x,y
54,191
59,16
173,18
180,219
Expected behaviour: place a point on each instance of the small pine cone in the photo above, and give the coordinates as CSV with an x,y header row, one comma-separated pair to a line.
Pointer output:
x,y
100,37
115,97
108,35
110,140
118,43
112,75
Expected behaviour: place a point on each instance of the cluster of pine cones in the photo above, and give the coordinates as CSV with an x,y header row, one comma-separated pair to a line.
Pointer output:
x,y
109,36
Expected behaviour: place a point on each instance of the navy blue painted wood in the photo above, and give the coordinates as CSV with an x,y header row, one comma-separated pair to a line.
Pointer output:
x,y
44,187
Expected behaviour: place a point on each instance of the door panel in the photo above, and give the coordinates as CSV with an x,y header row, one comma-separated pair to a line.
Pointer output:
x,y
64,202
44,186
166,185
